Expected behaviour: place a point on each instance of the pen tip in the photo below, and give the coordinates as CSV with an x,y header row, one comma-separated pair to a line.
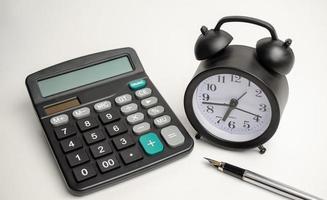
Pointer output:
x,y
213,162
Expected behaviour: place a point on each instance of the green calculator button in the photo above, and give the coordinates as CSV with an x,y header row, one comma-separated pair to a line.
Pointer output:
x,y
151,143
137,84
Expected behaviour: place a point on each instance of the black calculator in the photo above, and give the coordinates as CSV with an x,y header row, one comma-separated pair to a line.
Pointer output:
x,y
104,119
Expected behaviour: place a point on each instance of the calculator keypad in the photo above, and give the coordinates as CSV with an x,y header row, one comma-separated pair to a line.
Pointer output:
x,y
100,149
81,113
84,172
111,136
77,157
148,102
123,141
59,120
102,106
135,118
116,128
108,163
87,123
94,136
109,116
71,144
65,131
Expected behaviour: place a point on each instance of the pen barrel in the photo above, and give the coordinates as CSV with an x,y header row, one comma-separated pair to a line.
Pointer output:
x,y
276,187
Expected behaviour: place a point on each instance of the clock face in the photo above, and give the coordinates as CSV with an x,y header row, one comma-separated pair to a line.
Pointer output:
x,y
232,107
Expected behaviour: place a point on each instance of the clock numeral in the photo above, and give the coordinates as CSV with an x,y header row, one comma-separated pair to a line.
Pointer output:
x,y
258,93
235,78
231,124
210,109
246,124
256,118
221,79
205,97
263,107
211,87
219,119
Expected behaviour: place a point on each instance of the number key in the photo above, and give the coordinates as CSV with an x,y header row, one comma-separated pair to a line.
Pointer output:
x,y
109,116
87,123
100,149
116,128
84,172
108,163
65,131
77,157
123,141
94,136
71,144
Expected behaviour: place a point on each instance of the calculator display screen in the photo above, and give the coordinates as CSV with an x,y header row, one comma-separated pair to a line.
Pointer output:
x,y
84,76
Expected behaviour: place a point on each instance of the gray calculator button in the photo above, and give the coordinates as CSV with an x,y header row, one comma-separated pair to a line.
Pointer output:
x,y
155,111
148,102
173,136
129,108
81,113
102,106
141,128
135,118
143,93
162,121
59,120
123,99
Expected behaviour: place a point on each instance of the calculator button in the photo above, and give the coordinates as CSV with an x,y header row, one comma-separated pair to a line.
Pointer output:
x,y
94,136
151,143
123,141
109,116
65,131
108,163
84,172
137,84
149,102
87,123
123,99
81,113
116,128
71,144
59,120
141,128
156,111
162,121
102,106
129,108
135,118
100,149
131,155
173,136
143,93
77,157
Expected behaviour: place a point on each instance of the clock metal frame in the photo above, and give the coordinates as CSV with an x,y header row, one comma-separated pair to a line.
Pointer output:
x,y
240,60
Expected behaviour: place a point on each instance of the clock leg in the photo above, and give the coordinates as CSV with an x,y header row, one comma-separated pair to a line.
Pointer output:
x,y
197,136
262,149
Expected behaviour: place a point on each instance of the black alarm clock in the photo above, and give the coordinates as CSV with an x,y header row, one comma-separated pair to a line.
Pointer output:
x,y
238,93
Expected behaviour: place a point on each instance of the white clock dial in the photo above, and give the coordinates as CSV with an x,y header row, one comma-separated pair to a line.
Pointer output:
x,y
231,107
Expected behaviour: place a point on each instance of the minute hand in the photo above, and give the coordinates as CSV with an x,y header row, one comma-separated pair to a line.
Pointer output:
x,y
213,103
240,109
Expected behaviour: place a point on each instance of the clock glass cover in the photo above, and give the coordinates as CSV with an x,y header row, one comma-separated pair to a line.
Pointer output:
x,y
232,107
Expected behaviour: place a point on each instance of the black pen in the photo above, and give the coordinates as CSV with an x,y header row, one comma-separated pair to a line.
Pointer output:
x,y
261,181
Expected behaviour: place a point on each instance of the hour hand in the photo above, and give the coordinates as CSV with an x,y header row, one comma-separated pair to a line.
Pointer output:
x,y
232,105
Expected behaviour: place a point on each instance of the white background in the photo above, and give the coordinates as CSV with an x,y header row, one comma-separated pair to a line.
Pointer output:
x,y
37,34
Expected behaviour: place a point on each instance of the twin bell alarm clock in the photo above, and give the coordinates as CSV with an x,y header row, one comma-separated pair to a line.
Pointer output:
x,y
238,93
